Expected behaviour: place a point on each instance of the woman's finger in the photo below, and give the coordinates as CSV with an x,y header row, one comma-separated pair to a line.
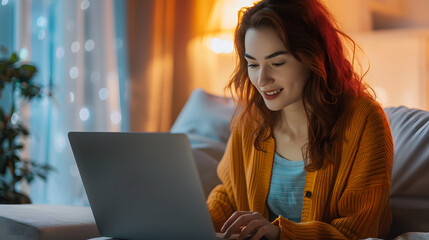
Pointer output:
x,y
252,228
232,219
260,233
241,221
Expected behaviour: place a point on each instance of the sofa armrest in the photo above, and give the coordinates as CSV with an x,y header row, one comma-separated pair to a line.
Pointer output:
x,y
46,222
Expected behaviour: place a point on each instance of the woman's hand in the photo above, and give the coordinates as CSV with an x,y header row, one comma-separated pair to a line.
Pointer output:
x,y
250,224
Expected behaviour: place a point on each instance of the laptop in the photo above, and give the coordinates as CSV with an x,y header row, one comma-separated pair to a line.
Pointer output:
x,y
142,185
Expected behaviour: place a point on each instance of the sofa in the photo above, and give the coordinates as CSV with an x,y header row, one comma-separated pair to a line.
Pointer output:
x,y
205,120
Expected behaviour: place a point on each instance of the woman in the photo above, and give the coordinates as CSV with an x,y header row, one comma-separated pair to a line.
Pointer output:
x,y
310,153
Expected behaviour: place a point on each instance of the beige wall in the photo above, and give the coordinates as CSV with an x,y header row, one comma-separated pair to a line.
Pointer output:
x,y
398,66
365,15
352,15
400,13
399,57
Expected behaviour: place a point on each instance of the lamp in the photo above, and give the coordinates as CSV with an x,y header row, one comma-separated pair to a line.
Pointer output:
x,y
222,22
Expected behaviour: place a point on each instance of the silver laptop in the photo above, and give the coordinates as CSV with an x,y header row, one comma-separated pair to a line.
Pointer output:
x,y
142,185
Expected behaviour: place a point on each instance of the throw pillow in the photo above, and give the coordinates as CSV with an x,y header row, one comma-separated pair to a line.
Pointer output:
x,y
205,119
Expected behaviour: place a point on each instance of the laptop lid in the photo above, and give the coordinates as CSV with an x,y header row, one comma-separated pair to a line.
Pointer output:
x,y
142,185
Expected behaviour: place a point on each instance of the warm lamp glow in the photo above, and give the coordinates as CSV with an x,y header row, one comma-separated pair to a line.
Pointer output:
x,y
225,14
213,60
219,45
222,23
230,10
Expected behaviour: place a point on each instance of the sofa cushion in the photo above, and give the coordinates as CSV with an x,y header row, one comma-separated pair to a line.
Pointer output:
x,y
46,222
205,120
410,181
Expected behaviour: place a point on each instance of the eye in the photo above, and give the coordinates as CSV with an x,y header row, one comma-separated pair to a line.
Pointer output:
x,y
250,65
278,64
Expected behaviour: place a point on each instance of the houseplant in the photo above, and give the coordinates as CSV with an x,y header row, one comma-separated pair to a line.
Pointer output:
x,y
17,78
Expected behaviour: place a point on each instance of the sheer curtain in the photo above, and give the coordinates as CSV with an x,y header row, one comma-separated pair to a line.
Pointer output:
x,y
161,61
80,51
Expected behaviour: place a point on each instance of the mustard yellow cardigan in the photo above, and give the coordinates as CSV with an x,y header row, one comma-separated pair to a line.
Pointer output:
x,y
347,198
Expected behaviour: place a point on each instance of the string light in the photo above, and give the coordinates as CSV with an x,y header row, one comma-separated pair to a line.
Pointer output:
x,y
71,97
103,94
60,143
84,4
14,119
74,72
23,54
59,53
84,114
89,45
75,47
41,22
115,117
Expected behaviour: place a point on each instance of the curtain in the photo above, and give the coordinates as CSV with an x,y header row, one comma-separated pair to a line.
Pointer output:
x,y
80,50
161,58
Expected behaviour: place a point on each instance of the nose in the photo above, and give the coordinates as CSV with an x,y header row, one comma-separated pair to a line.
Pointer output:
x,y
264,77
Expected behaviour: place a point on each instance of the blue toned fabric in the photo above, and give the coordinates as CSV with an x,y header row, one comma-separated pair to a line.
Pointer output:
x,y
80,51
286,189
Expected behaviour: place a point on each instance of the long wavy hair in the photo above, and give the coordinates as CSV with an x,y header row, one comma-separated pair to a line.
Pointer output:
x,y
311,35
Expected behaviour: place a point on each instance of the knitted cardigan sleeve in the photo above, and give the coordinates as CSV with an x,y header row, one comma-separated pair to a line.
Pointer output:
x,y
221,200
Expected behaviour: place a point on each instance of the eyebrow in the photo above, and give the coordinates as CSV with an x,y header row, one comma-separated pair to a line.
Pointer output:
x,y
267,57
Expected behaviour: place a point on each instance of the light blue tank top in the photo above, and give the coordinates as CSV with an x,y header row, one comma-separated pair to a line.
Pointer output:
x,y
286,189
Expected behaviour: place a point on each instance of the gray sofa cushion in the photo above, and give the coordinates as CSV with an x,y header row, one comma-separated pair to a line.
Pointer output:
x,y
46,222
205,120
410,173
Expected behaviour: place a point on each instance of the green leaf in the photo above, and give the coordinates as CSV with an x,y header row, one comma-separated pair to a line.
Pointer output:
x,y
13,73
48,168
15,158
42,176
3,165
12,110
29,91
18,178
1,115
29,68
26,73
4,185
17,147
13,58
30,178
22,129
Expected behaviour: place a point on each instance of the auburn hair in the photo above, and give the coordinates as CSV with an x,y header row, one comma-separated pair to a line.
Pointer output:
x,y
309,32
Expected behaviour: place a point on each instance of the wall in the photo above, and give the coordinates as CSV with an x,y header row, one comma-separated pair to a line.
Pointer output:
x,y
394,37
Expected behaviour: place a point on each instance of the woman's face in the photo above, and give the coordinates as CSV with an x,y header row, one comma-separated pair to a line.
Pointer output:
x,y
275,73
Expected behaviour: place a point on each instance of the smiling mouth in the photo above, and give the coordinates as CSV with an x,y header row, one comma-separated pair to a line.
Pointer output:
x,y
271,95
273,92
